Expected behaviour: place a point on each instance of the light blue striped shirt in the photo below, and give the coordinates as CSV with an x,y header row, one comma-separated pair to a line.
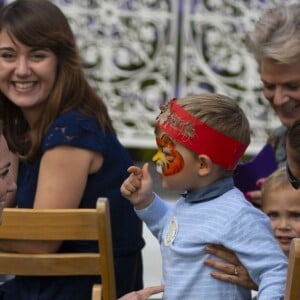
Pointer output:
x,y
228,219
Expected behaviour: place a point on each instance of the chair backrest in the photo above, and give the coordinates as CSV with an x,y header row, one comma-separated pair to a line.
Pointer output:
x,y
292,291
61,224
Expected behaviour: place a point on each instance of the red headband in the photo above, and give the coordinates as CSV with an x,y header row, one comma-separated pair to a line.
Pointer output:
x,y
200,138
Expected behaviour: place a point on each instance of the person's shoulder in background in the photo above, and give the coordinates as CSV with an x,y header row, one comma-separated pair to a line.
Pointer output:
x,y
277,139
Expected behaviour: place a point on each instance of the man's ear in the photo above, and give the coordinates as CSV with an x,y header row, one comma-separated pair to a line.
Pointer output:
x,y
205,165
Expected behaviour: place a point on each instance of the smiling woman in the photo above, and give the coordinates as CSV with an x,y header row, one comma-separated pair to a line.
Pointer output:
x,y
66,147
27,73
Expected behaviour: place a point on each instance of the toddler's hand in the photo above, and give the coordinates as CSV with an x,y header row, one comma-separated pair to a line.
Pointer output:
x,y
137,188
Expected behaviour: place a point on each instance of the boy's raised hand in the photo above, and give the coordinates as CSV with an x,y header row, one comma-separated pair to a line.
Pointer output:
x,y
137,188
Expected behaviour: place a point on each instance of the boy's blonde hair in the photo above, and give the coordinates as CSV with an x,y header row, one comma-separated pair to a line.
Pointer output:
x,y
278,180
217,111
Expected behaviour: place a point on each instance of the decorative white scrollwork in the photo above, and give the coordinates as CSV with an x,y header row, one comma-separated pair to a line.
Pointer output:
x,y
140,53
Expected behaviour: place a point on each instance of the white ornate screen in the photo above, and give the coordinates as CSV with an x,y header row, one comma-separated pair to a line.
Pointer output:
x,y
140,53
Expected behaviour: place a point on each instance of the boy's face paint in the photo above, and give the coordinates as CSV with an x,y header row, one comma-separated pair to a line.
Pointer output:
x,y
168,160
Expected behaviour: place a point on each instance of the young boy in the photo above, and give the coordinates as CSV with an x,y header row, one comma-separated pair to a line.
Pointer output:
x,y
281,202
200,140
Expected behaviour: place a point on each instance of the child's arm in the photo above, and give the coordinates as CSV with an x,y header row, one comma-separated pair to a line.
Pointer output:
x,y
137,188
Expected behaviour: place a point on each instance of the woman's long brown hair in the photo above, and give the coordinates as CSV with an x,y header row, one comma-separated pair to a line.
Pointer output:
x,y
41,24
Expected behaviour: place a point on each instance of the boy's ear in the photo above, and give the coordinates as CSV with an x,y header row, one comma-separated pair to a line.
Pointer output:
x,y
205,165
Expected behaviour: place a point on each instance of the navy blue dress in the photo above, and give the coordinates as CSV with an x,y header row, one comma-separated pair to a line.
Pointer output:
x,y
78,130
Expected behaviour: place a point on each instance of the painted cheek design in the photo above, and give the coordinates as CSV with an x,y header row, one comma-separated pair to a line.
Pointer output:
x,y
168,160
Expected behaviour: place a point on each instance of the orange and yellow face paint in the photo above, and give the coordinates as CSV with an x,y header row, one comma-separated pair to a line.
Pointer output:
x,y
168,160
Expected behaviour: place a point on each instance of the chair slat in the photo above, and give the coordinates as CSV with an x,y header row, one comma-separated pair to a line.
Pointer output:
x,y
50,264
32,224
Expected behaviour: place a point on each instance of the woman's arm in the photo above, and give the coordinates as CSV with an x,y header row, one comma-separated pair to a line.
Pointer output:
x,y
61,182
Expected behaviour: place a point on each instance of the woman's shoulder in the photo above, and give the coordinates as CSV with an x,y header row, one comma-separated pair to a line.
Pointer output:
x,y
278,132
277,139
74,118
77,129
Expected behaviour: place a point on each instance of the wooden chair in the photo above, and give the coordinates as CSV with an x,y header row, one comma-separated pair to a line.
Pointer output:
x,y
292,291
62,224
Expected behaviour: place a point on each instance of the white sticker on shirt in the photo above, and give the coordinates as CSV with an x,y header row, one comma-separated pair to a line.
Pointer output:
x,y
171,232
